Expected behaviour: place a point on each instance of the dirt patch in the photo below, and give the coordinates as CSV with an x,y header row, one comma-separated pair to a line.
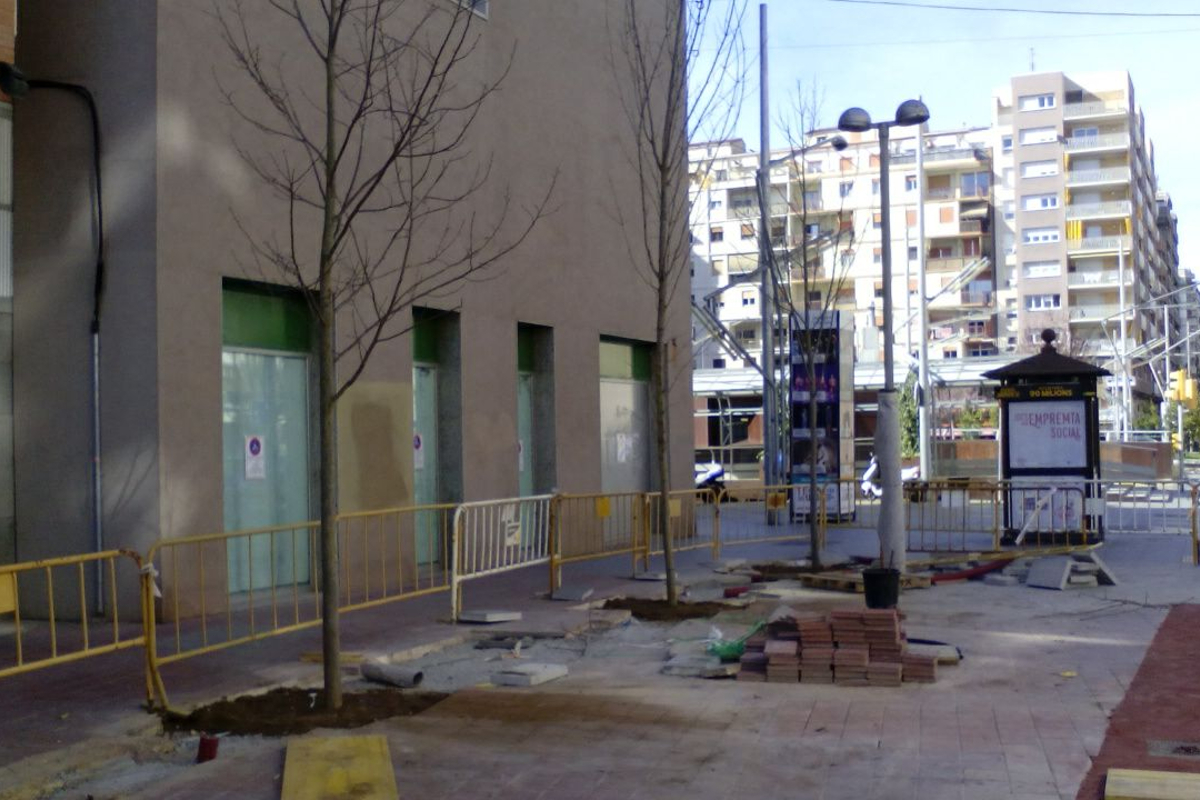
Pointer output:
x,y
661,611
286,711
775,570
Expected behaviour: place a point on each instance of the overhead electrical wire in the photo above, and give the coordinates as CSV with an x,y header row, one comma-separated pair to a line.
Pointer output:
x,y
916,42
1008,9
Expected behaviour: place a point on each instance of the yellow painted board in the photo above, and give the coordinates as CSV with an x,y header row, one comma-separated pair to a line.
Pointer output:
x,y
676,507
1145,784
603,510
8,593
339,768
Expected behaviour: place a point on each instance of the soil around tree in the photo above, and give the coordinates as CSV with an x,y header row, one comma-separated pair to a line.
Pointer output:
x,y
293,710
777,570
660,611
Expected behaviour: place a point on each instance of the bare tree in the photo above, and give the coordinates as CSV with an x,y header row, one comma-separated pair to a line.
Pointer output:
x,y
811,262
678,67
378,180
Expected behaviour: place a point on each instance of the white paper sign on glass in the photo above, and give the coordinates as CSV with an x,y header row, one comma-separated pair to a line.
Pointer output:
x,y
256,458
1047,434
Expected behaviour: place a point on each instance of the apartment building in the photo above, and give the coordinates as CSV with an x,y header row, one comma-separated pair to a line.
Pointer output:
x,y
826,232
1088,238
490,389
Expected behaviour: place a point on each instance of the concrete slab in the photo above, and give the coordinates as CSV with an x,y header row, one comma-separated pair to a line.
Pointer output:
x,y
1104,573
529,674
1049,573
996,579
691,666
488,616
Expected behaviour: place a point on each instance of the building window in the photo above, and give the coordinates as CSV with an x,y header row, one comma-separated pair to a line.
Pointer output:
x,y
718,363
877,255
1039,135
847,258
875,186
846,164
721,175
844,188
949,354
910,183
874,160
812,166
748,334
1040,235
1039,202
716,234
743,203
976,184
1042,302
812,230
1009,209
1041,269
941,251
749,299
910,217
1039,169
976,327
713,205
877,220
912,253
1035,102
981,350
747,230
946,215
1007,177
1006,143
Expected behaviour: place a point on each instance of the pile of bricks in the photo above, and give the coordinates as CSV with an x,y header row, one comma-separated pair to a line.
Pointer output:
x,y
853,647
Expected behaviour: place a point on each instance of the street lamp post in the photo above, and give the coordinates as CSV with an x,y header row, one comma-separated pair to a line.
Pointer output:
x,y
891,529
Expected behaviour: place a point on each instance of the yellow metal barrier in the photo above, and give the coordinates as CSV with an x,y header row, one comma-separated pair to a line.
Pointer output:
x,y
62,593
494,536
1192,525
590,526
693,522
226,589
756,514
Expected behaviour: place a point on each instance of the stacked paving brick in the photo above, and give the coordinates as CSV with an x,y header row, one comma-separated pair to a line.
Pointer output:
x,y
754,659
856,647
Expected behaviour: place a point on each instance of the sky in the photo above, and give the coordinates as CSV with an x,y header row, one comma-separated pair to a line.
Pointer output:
x,y
877,55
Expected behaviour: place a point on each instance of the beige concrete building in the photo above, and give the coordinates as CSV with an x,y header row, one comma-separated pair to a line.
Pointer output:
x,y
532,380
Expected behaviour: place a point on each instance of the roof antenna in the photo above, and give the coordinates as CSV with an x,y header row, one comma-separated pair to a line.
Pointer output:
x,y
1032,66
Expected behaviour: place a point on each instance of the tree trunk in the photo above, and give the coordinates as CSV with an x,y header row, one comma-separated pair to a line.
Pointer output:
x,y
331,645
330,633
658,386
814,543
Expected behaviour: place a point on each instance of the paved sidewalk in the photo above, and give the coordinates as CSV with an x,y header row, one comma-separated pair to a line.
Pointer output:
x,y
1022,717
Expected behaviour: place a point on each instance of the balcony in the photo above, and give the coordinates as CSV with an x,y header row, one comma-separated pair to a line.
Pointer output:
x,y
1094,313
1096,108
1113,208
976,298
947,154
1098,244
1085,177
1103,141
1092,279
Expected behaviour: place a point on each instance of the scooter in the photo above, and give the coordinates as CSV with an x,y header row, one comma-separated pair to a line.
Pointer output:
x,y
870,488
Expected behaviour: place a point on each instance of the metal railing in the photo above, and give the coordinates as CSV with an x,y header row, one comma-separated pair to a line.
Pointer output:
x,y
693,520
1093,108
1097,142
752,514
227,589
64,593
1099,243
590,526
494,536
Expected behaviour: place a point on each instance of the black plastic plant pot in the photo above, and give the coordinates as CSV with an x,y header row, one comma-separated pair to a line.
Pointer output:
x,y
881,587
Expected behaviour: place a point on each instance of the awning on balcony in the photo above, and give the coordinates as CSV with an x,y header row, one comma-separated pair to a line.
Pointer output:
x,y
974,213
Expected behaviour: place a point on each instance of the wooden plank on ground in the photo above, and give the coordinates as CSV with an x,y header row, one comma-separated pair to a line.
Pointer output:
x,y
1144,784
339,768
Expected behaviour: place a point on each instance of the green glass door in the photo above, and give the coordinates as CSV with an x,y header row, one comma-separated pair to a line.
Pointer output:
x,y
266,465
425,460
525,434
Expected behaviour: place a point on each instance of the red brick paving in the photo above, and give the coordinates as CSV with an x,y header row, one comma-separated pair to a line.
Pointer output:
x,y
1162,703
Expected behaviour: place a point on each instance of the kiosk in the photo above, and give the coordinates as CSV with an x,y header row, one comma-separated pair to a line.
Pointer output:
x,y
1050,447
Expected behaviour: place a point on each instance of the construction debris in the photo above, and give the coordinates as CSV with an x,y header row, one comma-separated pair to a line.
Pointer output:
x,y
392,674
489,617
529,674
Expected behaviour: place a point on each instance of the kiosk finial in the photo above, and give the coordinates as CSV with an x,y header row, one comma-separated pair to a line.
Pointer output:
x,y
1048,336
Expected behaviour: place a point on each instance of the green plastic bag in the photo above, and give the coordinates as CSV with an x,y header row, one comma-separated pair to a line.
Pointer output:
x,y
732,649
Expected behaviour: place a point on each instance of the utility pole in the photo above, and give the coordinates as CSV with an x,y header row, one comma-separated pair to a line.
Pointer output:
x,y
926,399
766,271
1126,391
